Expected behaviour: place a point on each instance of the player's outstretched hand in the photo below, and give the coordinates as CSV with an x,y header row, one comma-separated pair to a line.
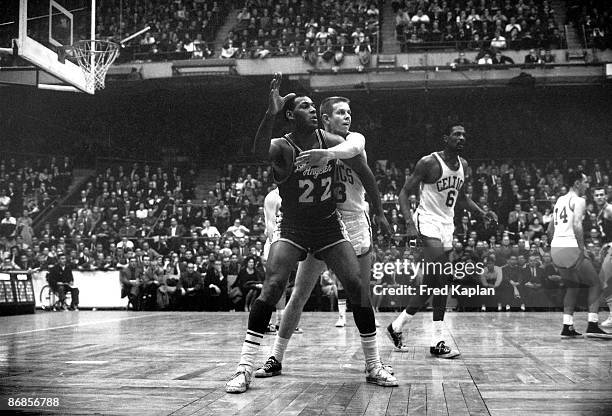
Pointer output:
x,y
491,215
383,224
312,158
276,102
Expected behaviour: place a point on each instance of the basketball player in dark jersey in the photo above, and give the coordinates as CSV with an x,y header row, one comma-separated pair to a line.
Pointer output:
x,y
309,224
604,220
440,177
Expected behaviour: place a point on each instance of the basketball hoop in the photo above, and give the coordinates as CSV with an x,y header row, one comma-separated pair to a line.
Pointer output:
x,y
94,58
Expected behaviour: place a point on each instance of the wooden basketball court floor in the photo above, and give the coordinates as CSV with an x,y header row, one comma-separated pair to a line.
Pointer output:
x,y
177,363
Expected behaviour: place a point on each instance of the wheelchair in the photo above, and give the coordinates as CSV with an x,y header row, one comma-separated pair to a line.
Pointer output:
x,y
49,300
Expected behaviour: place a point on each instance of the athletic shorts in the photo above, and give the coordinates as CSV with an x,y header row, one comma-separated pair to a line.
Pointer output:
x,y
431,226
359,230
565,252
312,238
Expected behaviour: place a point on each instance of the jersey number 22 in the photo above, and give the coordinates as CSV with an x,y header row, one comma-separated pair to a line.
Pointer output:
x,y
307,187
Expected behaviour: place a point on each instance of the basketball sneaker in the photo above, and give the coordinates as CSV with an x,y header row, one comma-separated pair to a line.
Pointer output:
x,y
569,332
341,322
607,323
380,376
442,351
271,368
396,339
594,331
298,330
239,383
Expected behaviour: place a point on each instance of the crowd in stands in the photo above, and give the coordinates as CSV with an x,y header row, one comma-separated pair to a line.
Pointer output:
x,y
26,188
476,25
497,58
174,252
179,29
313,29
592,20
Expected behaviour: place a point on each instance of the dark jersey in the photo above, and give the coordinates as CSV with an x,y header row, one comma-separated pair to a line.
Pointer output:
x,y
605,226
307,196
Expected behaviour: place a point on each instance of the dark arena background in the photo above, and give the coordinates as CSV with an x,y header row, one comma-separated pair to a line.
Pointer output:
x,y
147,187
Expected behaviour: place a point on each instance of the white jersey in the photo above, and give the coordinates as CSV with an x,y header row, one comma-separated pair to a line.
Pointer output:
x,y
438,199
272,212
350,193
563,216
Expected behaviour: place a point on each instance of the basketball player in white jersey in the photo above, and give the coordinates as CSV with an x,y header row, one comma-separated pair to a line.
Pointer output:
x,y
604,220
569,254
440,177
272,215
349,190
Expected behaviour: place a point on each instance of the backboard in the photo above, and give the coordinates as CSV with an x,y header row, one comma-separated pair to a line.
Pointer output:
x,y
37,31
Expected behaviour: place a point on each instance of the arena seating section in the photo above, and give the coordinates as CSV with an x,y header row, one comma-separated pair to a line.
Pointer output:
x,y
592,20
473,25
184,29
282,29
179,29
127,211
29,186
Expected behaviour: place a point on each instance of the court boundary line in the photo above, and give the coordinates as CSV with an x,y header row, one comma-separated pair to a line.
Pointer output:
x,y
78,325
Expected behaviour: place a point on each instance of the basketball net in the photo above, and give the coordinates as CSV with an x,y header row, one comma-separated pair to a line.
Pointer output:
x,y
94,58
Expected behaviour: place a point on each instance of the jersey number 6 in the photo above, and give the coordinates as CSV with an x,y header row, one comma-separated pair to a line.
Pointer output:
x,y
450,198
307,187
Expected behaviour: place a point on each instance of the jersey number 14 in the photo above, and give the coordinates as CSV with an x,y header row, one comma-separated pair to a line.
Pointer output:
x,y
562,216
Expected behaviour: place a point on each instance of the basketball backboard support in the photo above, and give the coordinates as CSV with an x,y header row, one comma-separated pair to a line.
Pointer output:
x,y
38,31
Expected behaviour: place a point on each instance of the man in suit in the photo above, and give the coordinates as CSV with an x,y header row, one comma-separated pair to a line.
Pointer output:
x,y
152,276
61,281
532,288
215,288
175,232
131,283
189,289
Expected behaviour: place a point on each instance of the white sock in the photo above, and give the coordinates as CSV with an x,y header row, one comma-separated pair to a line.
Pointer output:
x,y
279,316
342,308
279,347
400,321
436,335
370,350
250,347
568,319
593,317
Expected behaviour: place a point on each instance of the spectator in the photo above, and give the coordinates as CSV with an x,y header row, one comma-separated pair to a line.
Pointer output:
x,y
249,283
215,288
548,57
61,281
532,57
500,59
491,277
189,289
486,59
499,42
8,225
131,279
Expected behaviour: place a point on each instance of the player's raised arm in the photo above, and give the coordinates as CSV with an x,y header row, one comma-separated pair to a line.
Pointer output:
x,y
360,166
351,147
260,145
411,186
